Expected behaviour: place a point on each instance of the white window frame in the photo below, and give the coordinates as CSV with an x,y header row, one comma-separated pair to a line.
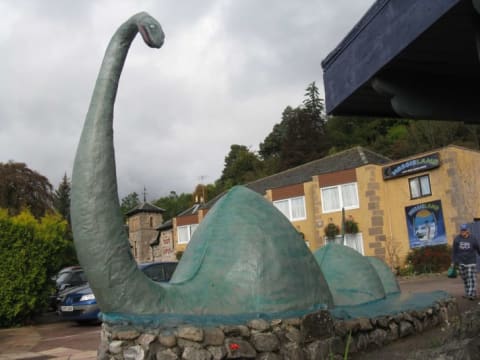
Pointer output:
x,y
190,230
340,194
353,241
289,211
416,184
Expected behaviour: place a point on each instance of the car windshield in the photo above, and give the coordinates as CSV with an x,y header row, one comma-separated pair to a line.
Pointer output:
x,y
160,272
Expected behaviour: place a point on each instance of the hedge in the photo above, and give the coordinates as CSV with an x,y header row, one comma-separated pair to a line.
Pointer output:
x,y
31,252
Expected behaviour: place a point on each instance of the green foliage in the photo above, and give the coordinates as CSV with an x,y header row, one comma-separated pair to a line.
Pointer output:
x,y
22,188
241,166
351,226
331,230
32,251
129,202
173,204
429,259
61,198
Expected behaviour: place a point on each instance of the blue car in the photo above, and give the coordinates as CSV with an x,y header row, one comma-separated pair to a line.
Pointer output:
x,y
79,304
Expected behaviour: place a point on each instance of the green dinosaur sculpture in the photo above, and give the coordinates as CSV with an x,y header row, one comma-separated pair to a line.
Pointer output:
x,y
245,259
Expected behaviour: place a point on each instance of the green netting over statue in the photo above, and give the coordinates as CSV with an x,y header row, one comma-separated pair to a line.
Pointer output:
x,y
389,281
364,286
245,260
350,276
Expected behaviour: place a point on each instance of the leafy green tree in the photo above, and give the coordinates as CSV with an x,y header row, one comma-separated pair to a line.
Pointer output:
x,y
173,204
305,140
241,166
61,198
23,188
129,202
31,252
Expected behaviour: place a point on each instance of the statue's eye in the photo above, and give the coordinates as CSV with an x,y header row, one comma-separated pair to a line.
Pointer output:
x,y
152,26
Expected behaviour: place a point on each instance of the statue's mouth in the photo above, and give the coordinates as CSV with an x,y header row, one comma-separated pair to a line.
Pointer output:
x,y
148,40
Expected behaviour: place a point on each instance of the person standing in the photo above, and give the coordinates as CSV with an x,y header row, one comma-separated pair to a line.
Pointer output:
x,y
465,249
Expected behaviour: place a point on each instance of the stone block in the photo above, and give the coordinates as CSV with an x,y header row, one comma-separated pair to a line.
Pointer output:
x,y
145,340
134,353
191,353
365,324
167,339
259,325
317,326
293,334
318,350
213,336
239,349
167,354
292,351
218,352
115,347
378,337
125,334
268,356
405,328
237,330
191,333
265,342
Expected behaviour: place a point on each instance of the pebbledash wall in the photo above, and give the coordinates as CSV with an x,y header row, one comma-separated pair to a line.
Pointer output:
x,y
398,205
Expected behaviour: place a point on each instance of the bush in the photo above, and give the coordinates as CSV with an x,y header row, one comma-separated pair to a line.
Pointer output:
x,y
430,259
331,230
31,252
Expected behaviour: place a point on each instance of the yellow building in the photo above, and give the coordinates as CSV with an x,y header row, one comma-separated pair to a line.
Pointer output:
x,y
397,205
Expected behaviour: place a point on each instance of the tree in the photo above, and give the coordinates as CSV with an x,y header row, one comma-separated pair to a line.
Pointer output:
x,y
129,202
305,140
61,198
313,105
173,204
31,252
241,166
23,188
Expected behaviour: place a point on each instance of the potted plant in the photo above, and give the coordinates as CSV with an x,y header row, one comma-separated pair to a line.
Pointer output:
x,y
331,230
351,226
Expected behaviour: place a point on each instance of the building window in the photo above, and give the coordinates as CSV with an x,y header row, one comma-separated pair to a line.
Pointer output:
x,y
419,186
334,198
185,233
292,208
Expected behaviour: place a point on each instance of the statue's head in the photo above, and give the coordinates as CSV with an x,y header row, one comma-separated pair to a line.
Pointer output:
x,y
150,30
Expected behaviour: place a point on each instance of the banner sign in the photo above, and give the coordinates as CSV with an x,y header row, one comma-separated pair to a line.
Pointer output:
x,y
425,224
411,166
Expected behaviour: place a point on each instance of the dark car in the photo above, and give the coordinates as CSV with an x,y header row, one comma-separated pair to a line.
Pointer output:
x,y
79,304
71,276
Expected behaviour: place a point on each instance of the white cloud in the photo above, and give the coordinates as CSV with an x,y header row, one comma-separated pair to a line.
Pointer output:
x,y
223,77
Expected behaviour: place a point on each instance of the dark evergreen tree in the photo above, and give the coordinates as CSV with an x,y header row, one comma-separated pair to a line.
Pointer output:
x,y
241,166
61,198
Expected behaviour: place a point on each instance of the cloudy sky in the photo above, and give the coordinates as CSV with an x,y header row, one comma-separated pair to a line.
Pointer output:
x,y
225,74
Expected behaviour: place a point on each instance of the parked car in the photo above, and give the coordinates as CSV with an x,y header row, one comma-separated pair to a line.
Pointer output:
x,y
67,277
79,303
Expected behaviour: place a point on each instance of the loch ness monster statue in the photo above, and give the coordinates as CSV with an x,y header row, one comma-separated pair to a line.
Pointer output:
x,y
245,259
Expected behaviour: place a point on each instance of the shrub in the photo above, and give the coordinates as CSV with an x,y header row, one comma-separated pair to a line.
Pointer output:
x,y
31,251
331,230
351,226
430,259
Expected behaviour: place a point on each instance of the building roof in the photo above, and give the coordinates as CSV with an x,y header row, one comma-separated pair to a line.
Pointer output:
x,y
145,207
408,58
344,160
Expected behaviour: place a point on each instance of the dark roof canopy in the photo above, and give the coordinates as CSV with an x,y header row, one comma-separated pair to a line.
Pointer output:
x,y
145,207
409,58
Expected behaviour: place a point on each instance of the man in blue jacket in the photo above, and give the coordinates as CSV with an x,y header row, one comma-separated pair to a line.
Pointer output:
x,y
465,249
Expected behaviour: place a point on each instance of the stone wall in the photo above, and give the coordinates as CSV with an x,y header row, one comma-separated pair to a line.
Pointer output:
x,y
314,336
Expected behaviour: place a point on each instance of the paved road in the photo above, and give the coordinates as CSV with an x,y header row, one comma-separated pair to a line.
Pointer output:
x,y
67,340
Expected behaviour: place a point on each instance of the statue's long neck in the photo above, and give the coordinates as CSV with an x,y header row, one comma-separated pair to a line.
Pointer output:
x,y
100,233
